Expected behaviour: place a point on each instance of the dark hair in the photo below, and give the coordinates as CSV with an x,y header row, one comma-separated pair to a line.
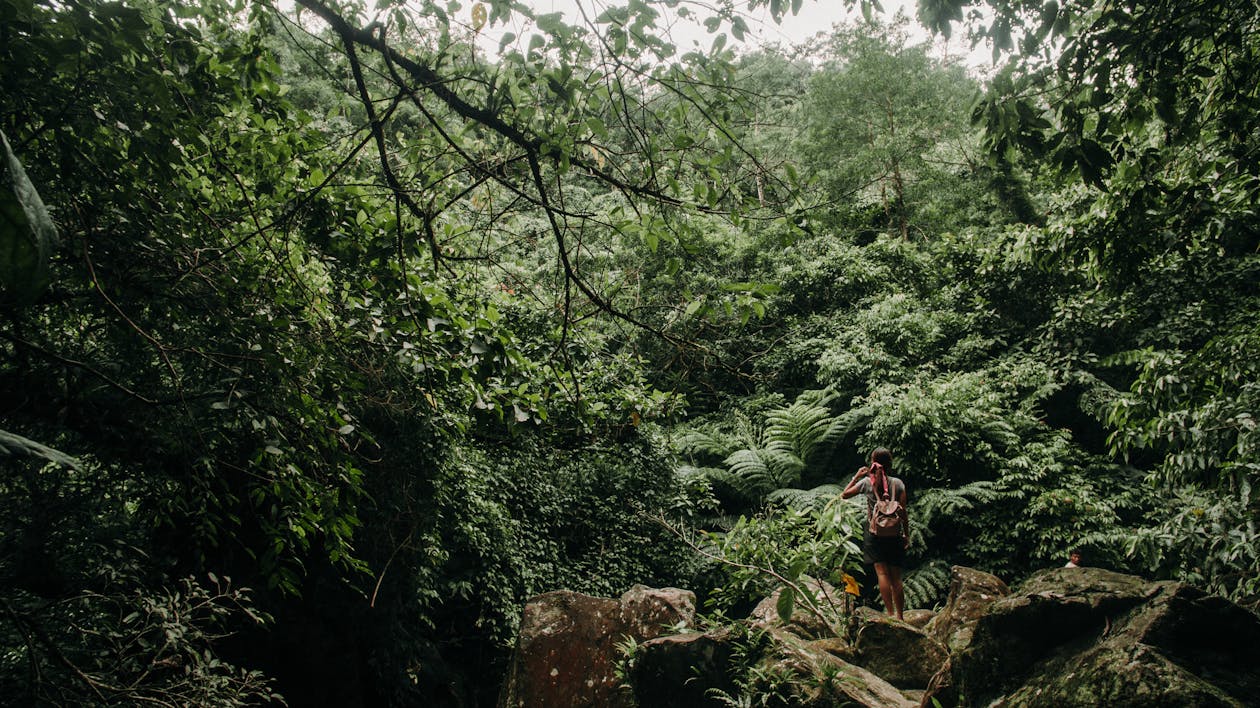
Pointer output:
x,y
1075,552
883,457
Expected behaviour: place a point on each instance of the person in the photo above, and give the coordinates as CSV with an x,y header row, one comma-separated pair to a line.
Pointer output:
x,y
886,553
1074,558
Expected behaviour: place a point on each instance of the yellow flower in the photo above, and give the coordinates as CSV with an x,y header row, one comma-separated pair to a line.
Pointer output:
x,y
850,584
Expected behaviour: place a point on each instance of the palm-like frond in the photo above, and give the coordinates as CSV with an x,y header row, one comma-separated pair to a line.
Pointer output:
x,y
926,585
807,426
15,445
687,471
798,429
814,499
999,433
699,442
760,459
757,472
943,501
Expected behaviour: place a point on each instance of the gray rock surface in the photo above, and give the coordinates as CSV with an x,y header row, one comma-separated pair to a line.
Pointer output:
x,y
970,594
1088,637
898,652
566,651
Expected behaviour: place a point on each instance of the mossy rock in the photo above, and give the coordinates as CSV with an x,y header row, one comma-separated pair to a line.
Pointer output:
x,y
1087,637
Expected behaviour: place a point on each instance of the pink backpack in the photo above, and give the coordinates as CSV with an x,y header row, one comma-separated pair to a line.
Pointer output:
x,y
887,514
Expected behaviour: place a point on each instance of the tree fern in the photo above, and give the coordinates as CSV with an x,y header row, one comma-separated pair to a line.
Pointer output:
x,y
803,427
716,474
756,473
927,585
762,459
940,502
704,443
814,499
798,429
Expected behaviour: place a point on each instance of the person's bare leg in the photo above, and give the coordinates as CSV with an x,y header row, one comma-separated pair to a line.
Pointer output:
x,y
885,586
897,591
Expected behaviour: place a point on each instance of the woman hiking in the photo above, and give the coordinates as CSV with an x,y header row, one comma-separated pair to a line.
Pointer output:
x,y
887,532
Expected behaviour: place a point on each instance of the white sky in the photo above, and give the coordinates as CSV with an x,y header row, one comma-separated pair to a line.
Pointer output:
x,y
815,16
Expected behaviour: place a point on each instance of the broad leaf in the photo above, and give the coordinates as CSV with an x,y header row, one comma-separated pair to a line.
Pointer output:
x,y
27,233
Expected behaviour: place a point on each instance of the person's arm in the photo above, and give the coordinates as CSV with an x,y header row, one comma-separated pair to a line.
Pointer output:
x,y
854,485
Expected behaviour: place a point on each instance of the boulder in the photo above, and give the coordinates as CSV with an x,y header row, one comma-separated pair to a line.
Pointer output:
x,y
566,650
681,670
690,670
970,594
804,622
838,647
1076,637
918,618
645,612
898,652
823,680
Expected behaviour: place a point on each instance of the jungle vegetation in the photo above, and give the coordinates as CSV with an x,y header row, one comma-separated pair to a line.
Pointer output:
x,y
329,335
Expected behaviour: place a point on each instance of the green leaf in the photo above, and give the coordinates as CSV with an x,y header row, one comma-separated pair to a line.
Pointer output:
x,y
12,444
552,23
27,233
786,603
798,568
597,127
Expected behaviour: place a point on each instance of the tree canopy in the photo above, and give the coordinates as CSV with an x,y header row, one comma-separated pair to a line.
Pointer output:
x,y
330,335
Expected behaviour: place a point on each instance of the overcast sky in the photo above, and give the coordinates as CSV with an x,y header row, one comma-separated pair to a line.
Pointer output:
x,y
815,16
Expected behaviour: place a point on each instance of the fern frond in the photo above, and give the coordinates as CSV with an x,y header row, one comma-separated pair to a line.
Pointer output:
x,y
818,397
927,585
999,433
750,473
796,428
785,467
815,499
698,442
688,471
805,427
944,501
838,428
755,473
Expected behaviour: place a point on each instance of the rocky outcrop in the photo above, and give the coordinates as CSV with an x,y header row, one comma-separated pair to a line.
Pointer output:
x,y
919,618
566,649
691,670
1066,637
896,651
1087,637
824,679
682,670
970,594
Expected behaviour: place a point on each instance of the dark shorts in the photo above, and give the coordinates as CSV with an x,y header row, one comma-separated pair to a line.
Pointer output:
x,y
889,549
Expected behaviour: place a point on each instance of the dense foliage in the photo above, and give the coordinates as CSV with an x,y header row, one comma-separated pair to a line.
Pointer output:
x,y
330,335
